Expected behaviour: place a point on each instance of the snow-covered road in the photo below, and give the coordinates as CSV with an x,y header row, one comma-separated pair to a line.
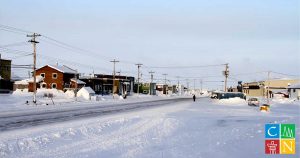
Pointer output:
x,y
22,119
205,128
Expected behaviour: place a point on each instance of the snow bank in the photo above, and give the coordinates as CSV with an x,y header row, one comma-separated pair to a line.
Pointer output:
x,y
21,92
86,93
70,94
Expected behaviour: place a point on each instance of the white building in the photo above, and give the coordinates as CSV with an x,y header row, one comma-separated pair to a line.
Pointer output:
x,y
294,91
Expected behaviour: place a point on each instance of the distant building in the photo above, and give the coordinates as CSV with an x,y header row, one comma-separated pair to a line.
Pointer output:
x,y
55,77
6,84
5,69
294,91
259,89
103,84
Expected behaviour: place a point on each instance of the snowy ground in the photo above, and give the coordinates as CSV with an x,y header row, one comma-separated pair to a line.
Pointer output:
x,y
205,128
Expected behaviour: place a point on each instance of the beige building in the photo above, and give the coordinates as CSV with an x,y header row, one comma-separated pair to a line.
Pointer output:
x,y
259,89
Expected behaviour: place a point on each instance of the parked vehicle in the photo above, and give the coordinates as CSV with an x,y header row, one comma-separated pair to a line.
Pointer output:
x,y
227,95
253,102
265,107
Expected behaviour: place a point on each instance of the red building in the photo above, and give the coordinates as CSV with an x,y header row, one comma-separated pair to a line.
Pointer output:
x,y
56,77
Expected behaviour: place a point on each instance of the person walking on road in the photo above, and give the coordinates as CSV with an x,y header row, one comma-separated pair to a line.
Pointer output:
x,y
194,97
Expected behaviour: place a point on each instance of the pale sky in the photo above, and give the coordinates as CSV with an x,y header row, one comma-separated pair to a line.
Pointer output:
x,y
252,36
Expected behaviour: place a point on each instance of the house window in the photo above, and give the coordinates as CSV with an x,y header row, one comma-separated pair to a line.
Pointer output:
x,y
54,75
44,85
43,75
53,86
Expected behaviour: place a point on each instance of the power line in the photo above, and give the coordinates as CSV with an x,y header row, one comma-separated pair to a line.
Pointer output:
x,y
183,67
12,31
15,29
13,44
284,74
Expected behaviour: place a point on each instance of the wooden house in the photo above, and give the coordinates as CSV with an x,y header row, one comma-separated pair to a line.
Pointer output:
x,y
55,77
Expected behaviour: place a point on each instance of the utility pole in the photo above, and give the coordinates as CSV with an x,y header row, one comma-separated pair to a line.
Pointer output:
x,y
226,74
194,85
76,85
187,84
268,88
138,85
178,80
114,75
165,78
167,87
201,82
34,42
178,88
151,73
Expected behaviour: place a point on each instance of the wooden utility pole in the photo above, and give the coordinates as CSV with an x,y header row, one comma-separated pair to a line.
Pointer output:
x,y
187,84
178,80
194,85
268,88
138,79
76,85
201,82
165,78
226,74
34,42
151,73
178,88
114,75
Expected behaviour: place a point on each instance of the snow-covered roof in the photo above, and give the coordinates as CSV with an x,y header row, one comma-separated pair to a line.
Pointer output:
x,y
38,79
26,81
86,90
22,82
77,81
295,86
63,69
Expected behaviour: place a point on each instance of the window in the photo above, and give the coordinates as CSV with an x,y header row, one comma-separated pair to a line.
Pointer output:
x,y
42,74
54,75
294,90
44,85
53,86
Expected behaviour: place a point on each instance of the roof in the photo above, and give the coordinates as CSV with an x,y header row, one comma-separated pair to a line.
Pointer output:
x,y
38,79
87,89
294,86
77,81
63,69
22,82
26,81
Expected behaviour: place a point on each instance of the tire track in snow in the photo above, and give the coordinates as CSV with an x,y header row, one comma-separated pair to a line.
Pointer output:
x,y
133,136
18,121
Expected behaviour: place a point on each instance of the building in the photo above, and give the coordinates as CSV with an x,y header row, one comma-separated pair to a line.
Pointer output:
x,y
6,85
259,89
294,91
103,84
5,69
55,77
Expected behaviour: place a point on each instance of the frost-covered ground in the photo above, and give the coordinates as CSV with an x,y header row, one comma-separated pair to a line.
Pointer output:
x,y
205,128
